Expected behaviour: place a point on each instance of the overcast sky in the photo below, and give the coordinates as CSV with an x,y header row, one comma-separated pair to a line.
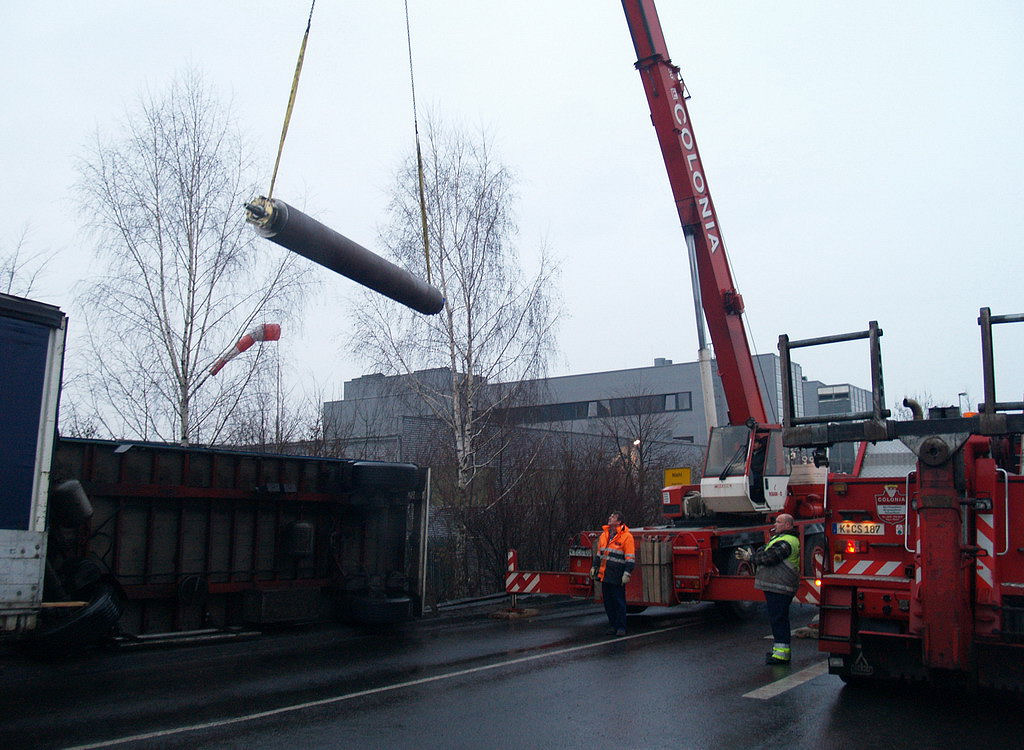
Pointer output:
x,y
866,159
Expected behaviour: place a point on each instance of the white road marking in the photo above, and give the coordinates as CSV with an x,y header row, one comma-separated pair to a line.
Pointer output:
x,y
788,683
372,691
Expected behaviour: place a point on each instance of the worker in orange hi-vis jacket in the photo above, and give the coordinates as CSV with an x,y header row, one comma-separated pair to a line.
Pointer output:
x,y
616,556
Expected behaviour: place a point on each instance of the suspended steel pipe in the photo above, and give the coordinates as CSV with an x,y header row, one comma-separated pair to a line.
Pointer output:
x,y
288,227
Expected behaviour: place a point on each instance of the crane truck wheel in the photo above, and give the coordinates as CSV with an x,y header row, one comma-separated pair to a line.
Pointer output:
x,y
813,555
742,611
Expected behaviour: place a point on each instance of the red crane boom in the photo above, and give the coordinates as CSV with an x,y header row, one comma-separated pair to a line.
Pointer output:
x,y
723,305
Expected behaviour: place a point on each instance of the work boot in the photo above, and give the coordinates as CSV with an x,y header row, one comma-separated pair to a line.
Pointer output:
x,y
781,653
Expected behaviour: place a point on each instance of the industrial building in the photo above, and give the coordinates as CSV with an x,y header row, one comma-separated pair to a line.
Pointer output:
x,y
388,417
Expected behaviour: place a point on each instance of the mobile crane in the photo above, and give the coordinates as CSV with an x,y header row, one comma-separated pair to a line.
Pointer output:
x,y
747,474
925,574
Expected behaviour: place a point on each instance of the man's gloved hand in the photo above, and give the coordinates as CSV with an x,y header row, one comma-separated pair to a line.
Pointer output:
x,y
625,578
593,572
743,553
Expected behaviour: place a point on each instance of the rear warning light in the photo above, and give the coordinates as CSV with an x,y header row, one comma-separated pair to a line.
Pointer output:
x,y
854,547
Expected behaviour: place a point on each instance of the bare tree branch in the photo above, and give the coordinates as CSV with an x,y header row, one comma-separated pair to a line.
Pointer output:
x,y
496,325
182,276
20,267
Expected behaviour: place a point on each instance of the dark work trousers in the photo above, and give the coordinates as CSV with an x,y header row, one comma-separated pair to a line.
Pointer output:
x,y
614,604
778,614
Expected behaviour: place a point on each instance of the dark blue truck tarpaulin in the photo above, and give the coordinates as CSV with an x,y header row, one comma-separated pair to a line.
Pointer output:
x,y
25,330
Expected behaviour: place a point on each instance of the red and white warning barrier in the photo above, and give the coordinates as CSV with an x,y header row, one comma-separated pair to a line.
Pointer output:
x,y
522,583
262,332
516,582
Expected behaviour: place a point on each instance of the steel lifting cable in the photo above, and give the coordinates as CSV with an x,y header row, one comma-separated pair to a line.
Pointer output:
x,y
291,100
419,155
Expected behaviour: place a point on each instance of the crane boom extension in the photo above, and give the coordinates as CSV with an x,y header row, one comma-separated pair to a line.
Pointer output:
x,y
723,305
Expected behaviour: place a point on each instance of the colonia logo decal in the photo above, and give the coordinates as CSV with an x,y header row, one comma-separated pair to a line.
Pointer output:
x,y
891,504
696,173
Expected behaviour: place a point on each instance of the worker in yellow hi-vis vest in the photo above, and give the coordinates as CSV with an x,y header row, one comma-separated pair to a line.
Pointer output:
x,y
778,576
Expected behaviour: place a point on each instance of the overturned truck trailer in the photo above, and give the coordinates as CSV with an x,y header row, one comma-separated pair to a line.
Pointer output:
x,y
98,537
197,538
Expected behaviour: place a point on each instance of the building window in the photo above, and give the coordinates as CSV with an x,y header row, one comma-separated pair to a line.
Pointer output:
x,y
625,407
833,392
615,407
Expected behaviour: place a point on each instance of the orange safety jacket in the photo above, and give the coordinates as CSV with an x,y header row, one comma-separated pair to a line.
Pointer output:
x,y
616,555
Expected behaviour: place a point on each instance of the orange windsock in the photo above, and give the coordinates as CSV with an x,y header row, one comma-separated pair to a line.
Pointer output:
x,y
262,332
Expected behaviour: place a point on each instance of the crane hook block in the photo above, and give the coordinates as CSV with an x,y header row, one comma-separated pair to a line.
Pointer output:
x,y
288,227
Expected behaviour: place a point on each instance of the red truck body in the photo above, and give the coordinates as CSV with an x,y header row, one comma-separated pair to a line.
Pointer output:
x,y
676,565
924,575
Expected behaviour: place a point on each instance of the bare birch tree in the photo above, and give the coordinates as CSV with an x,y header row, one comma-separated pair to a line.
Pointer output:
x,y
497,326
183,277
21,267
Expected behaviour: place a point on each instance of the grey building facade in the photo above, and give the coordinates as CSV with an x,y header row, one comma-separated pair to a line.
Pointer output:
x,y
821,399
377,413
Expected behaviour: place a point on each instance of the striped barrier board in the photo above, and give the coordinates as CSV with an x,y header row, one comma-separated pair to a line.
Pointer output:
x,y
537,582
522,583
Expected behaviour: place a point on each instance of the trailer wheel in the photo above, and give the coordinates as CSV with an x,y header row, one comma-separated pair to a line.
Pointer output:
x,y
63,635
742,611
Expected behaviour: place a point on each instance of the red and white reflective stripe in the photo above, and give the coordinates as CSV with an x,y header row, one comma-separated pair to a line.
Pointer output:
x,y
985,564
522,583
811,593
892,568
513,562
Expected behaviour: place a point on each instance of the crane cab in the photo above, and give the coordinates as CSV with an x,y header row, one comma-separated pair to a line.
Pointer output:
x,y
746,470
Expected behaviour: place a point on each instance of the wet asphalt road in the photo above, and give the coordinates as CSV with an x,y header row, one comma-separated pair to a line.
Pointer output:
x,y
680,679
